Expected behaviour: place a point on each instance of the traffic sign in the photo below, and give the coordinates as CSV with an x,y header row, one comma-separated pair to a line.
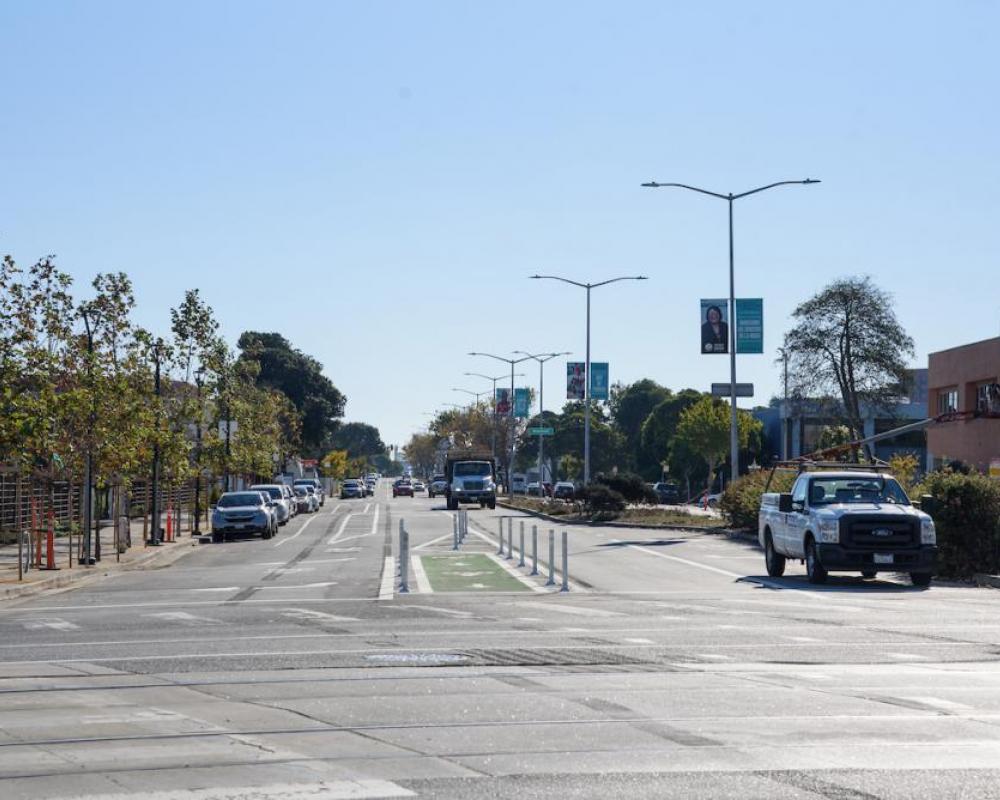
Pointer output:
x,y
723,390
541,431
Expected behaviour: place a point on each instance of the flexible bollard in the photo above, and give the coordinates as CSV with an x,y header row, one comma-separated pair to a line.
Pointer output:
x,y
534,550
50,544
552,559
565,564
510,538
520,561
454,533
500,531
463,528
404,559
170,524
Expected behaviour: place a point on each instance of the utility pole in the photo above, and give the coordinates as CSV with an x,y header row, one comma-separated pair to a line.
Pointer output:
x,y
154,532
541,358
198,380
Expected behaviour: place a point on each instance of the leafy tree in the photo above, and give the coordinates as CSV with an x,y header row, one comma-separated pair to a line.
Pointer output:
x,y
660,427
848,342
630,407
421,452
833,436
704,429
300,377
334,464
359,440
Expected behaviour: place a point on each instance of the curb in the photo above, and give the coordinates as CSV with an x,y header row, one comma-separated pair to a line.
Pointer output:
x,y
81,575
728,532
990,581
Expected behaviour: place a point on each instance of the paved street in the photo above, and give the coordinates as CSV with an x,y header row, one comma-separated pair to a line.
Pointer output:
x,y
294,668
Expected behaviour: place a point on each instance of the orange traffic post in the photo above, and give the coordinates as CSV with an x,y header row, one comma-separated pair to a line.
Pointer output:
x,y
170,525
50,543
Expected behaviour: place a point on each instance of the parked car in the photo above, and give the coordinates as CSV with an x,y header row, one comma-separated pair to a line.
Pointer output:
x,y
351,488
438,485
535,490
370,485
847,520
419,486
317,485
276,491
243,512
314,495
564,490
668,492
306,502
402,488
290,498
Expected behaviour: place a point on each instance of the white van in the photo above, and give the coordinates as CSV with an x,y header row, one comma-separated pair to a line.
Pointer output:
x,y
518,483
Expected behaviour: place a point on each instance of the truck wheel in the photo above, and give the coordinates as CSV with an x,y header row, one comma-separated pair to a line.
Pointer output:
x,y
774,561
921,578
492,504
814,570
869,573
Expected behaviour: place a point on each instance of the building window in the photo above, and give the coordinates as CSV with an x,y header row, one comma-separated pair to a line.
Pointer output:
x,y
947,400
988,398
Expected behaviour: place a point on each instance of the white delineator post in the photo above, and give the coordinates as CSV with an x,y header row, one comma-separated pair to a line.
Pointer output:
x,y
552,559
565,564
510,538
404,559
454,532
500,535
520,560
534,549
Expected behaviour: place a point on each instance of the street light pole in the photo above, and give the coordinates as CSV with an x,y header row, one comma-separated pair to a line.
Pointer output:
x,y
510,423
493,445
734,441
198,379
88,478
586,370
154,533
541,358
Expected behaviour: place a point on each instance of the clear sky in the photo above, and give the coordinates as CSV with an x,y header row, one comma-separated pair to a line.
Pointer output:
x,y
376,180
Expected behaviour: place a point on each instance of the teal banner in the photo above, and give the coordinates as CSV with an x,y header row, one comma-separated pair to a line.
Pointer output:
x,y
599,380
522,403
750,325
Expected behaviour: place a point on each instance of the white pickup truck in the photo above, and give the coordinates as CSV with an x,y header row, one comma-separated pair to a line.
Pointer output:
x,y
847,520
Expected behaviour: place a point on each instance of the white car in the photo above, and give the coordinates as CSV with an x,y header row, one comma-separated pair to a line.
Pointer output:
x,y
847,521
276,491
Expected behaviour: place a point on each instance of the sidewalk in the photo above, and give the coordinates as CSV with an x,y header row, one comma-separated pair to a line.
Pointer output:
x,y
70,572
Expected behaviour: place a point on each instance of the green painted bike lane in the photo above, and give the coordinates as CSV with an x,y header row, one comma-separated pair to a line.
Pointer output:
x,y
469,572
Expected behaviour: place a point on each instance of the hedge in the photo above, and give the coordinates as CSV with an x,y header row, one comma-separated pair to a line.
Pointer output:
x,y
740,502
630,486
966,513
600,503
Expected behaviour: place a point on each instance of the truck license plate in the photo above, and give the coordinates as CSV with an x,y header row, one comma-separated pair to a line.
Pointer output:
x,y
883,558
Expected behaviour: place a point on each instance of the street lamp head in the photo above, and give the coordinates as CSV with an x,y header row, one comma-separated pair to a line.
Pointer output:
x,y
651,185
811,180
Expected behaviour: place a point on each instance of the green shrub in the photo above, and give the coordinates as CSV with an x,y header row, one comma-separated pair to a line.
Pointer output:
x,y
600,502
630,486
966,512
740,502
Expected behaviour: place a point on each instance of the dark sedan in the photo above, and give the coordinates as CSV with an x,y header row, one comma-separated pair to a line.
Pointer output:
x,y
402,488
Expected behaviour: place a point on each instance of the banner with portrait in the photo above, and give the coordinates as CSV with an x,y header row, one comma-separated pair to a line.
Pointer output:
x,y
714,326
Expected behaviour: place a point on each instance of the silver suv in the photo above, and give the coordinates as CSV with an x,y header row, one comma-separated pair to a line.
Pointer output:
x,y
276,491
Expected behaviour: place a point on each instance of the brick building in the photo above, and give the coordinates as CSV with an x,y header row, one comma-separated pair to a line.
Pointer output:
x,y
965,379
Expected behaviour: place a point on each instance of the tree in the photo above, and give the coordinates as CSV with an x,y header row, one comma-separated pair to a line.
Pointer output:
x,y
833,436
704,430
421,452
848,342
630,407
358,439
334,464
300,377
660,427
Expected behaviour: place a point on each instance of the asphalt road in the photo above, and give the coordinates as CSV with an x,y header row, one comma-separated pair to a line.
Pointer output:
x,y
295,668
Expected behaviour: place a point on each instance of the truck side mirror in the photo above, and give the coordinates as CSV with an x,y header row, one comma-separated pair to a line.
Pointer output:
x,y
785,503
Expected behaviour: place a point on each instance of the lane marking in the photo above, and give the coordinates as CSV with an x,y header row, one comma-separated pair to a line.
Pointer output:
x,y
52,623
387,585
638,640
319,585
340,531
375,521
419,576
535,587
447,611
294,535
351,538
580,611
679,560
435,541
361,789
203,589
308,613
184,618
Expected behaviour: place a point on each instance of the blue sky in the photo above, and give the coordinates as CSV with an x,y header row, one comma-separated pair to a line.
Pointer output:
x,y
375,180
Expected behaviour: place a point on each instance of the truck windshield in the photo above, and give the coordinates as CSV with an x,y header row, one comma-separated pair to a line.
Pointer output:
x,y
465,468
828,491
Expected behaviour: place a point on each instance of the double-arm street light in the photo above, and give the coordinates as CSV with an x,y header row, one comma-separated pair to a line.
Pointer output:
x,y
493,445
510,427
477,395
586,390
734,442
541,358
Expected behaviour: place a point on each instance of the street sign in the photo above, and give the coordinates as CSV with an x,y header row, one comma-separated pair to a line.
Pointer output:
x,y
750,325
541,431
723,390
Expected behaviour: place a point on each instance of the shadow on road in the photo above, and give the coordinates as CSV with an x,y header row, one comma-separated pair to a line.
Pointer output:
x,y
836,584
641,542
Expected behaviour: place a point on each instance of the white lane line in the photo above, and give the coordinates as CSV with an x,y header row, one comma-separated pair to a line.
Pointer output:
x,y
184,618
434,541
296,534
361,789
419,576
516,575
639,640
375,520
310,614
52,623
582,611
351,538
387,585
446,611
367,506
206,589
680,560
299,586
340,530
